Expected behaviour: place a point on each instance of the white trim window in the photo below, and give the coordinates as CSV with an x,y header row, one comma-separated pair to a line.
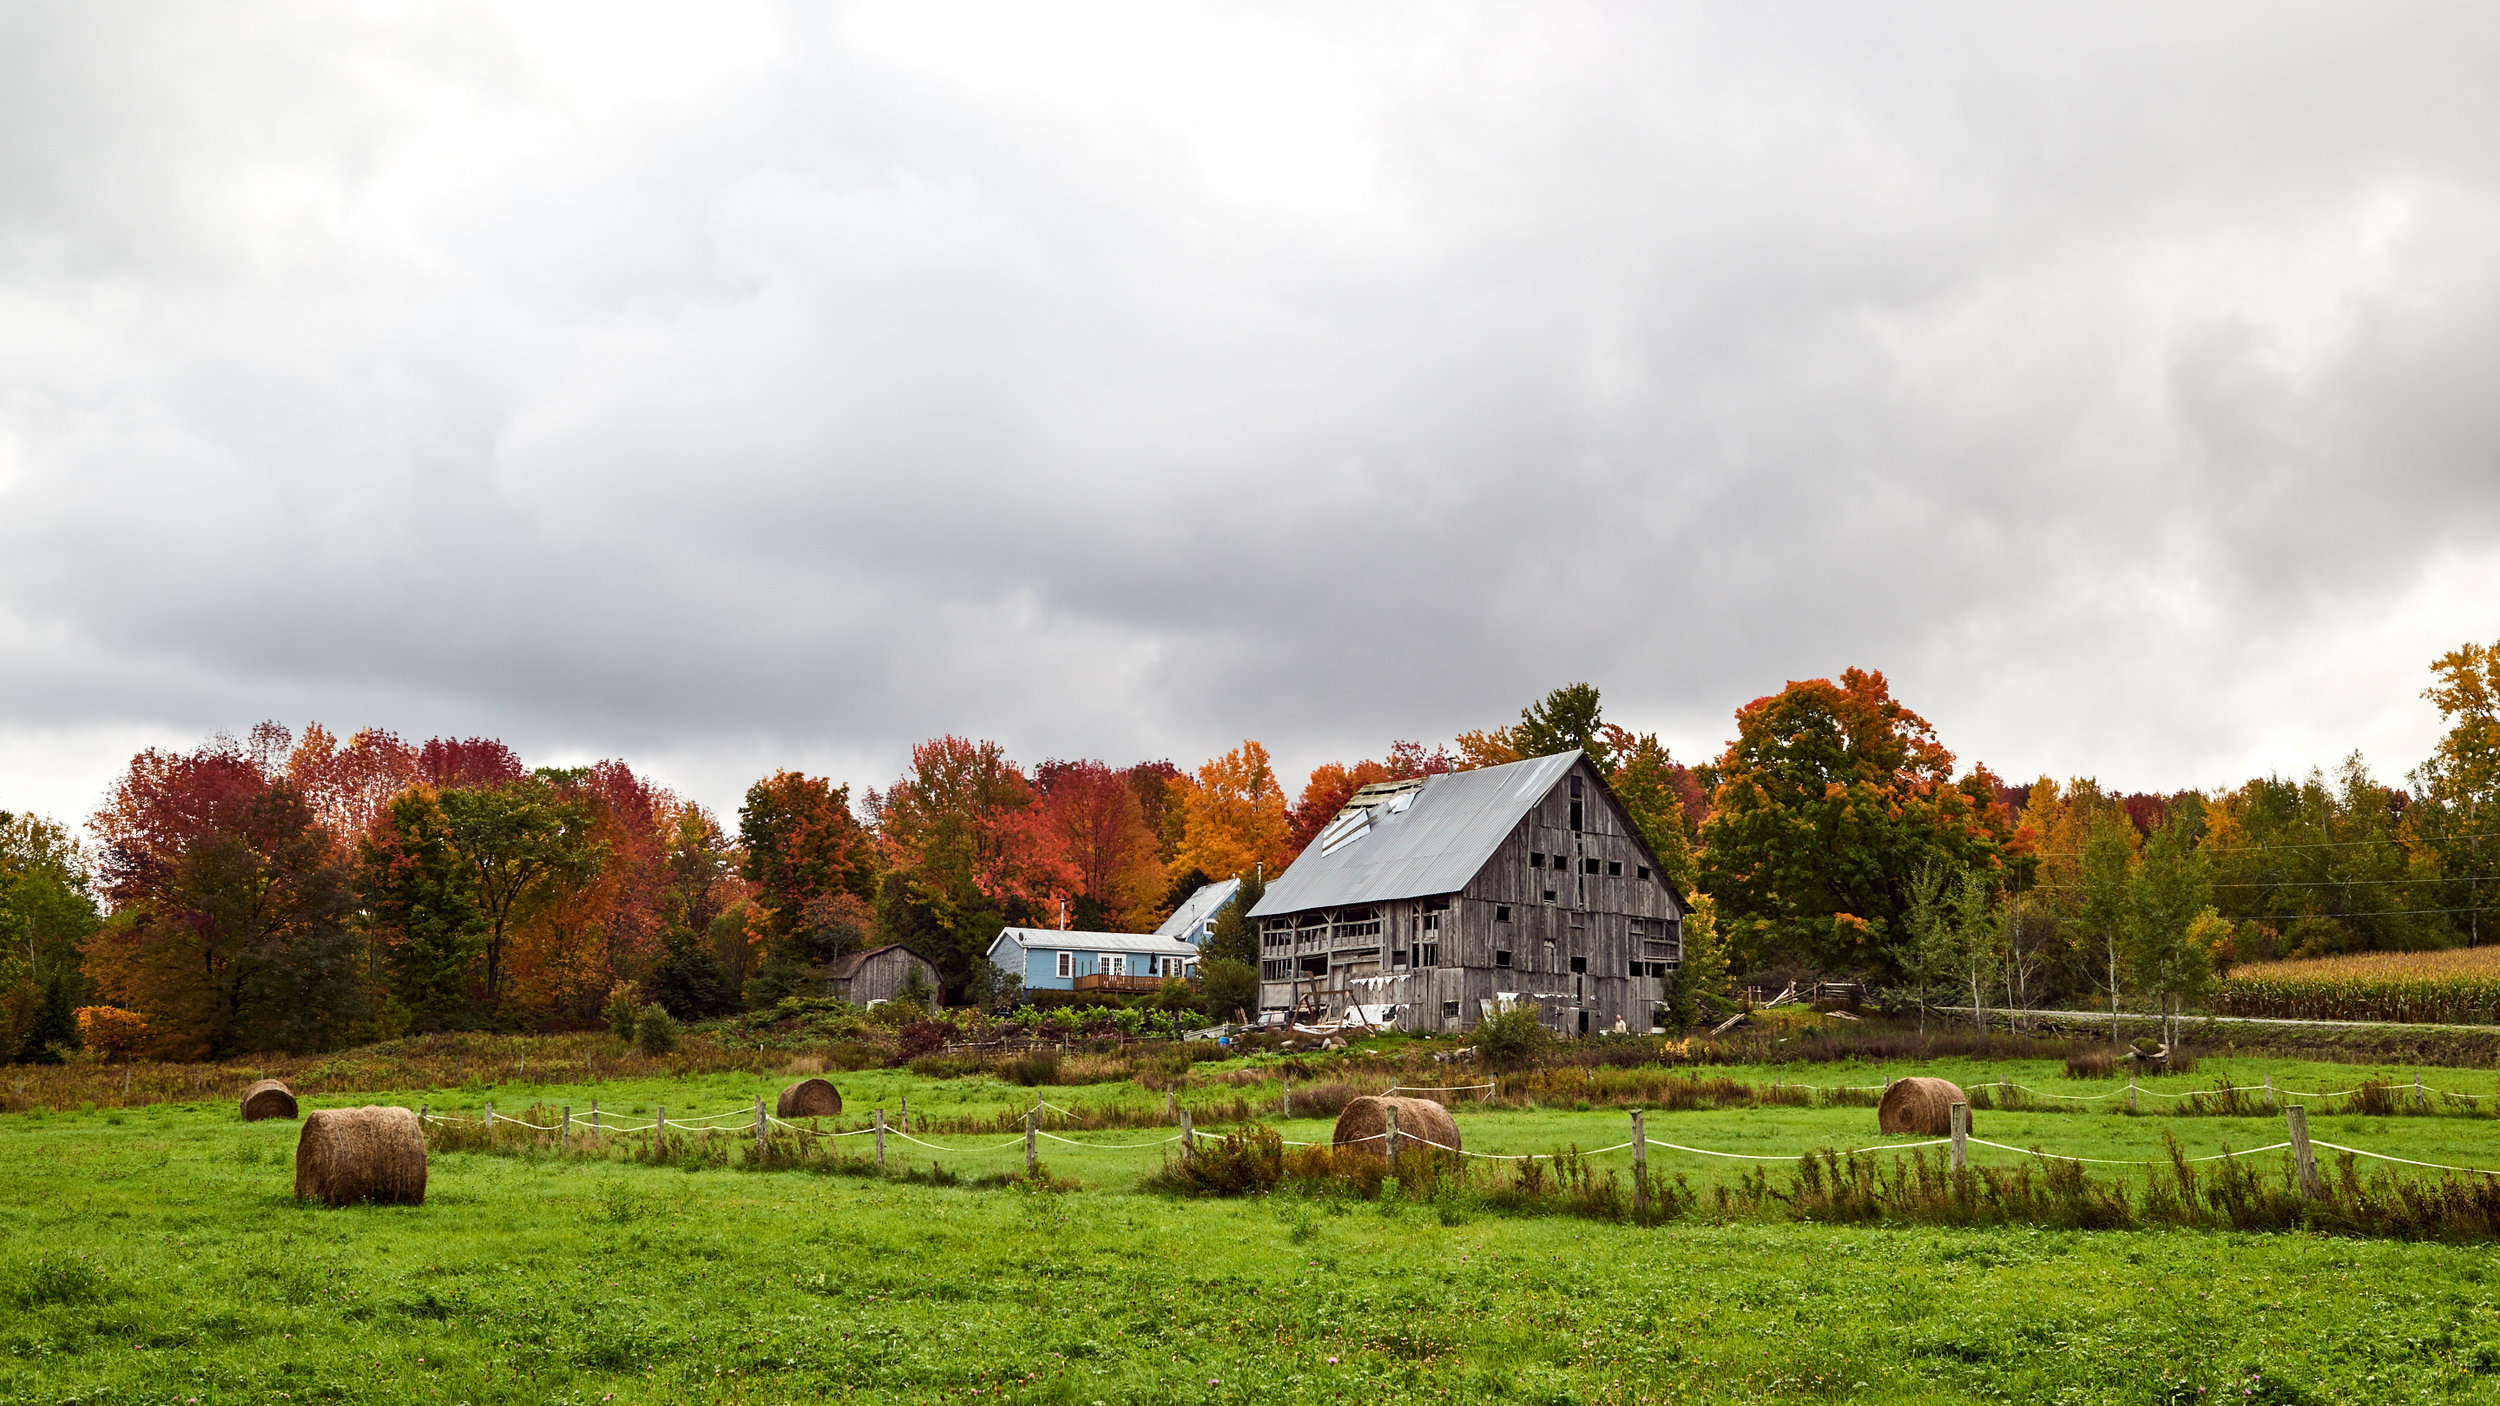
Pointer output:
x,y
1114,964
1067,962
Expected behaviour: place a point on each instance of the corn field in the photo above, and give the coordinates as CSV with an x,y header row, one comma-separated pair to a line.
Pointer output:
x,y
2454,987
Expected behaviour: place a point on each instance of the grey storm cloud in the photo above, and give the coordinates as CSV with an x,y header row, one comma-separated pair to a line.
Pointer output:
x,y
734,387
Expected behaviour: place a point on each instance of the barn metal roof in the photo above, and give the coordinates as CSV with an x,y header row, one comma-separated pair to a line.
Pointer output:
x,y
1414,842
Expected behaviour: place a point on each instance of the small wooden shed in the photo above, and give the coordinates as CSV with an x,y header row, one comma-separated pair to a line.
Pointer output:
x,y
881,973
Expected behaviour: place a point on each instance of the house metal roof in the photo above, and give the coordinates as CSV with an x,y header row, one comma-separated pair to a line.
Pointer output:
x,y
1196,908
1057,939
1414,842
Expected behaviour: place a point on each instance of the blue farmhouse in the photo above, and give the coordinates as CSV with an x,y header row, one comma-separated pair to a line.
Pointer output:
x,y
1050,959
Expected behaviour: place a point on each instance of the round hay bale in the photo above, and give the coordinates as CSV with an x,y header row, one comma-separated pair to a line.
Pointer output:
x,y
270,1098
1923,1106
809,1098
1420,1120
361,1154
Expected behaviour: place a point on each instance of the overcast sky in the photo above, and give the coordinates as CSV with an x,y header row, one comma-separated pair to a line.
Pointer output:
x,y
743,386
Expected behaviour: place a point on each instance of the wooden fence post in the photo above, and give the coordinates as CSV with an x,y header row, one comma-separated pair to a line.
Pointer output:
x,y
1640,1169
759,1125
1167,1104
1031,1122
907,1113
2130,1091
881,1137
2269,1093
2420,1104
1960,1123
1189,1137
564,1134
1289,1095
490,1122
659,1133
1390,1138
2417,1084
2303,1158
594,1116
422,1109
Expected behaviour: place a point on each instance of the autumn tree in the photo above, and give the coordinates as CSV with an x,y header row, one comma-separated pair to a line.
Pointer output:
x,y
46,910
971,851
1234,816
1152,783
813,868
518,841
230,904
418,894
1094,819
1650,785
2456,819
1831,798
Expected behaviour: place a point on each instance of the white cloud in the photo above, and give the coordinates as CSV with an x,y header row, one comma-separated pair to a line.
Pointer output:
x,y
1123,380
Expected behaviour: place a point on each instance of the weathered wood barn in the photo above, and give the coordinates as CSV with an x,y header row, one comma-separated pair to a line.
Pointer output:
x,y
881,973
1449,896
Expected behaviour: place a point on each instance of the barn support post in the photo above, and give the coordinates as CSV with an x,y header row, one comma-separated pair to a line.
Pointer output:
x,y
2304,1159
1640,1169
1032,1121
881,1139
1960,1115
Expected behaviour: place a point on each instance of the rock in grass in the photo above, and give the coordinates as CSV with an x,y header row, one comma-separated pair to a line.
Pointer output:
x,y
270,1098
1919,1106
361,1154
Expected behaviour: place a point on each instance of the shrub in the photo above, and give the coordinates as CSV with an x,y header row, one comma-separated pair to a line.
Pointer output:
x,y
655,1030
2091,1064
1512,1039
1031,1068
624,1010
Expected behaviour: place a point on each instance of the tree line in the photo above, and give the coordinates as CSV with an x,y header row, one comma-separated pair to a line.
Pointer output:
x,y
307,892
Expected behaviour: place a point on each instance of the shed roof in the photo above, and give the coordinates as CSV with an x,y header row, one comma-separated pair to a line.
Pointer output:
x,y
844,968
1058,939
1195,908
1414,841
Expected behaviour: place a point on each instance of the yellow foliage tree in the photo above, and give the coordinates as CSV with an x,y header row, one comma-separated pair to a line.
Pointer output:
x,y
1233,816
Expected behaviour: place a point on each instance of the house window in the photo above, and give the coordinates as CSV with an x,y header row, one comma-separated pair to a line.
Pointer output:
x,y
1536,859
1614,868
1644,871
1449,1010
1579,966
1501,912
1428,955
1067,962
1501,958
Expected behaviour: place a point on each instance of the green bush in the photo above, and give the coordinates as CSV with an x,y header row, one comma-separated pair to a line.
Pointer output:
x,y
655,1031
1512,1039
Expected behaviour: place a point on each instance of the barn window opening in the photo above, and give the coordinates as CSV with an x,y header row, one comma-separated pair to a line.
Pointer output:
x,y
1588,866
1501,957
1575,817
1428,955
1275,971
1449,1010
1657,969
1549,895
1432,922
1536,859
1644,871
1636,969
1315,966
1397,956
1501,912
1579,966
1614,868
1575,788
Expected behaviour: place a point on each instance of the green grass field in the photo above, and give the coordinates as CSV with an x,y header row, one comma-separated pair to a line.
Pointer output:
x,y
156,1254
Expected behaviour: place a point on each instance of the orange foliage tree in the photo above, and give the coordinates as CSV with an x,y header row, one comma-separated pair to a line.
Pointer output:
x,y
1234,816
111,1033
1096,820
